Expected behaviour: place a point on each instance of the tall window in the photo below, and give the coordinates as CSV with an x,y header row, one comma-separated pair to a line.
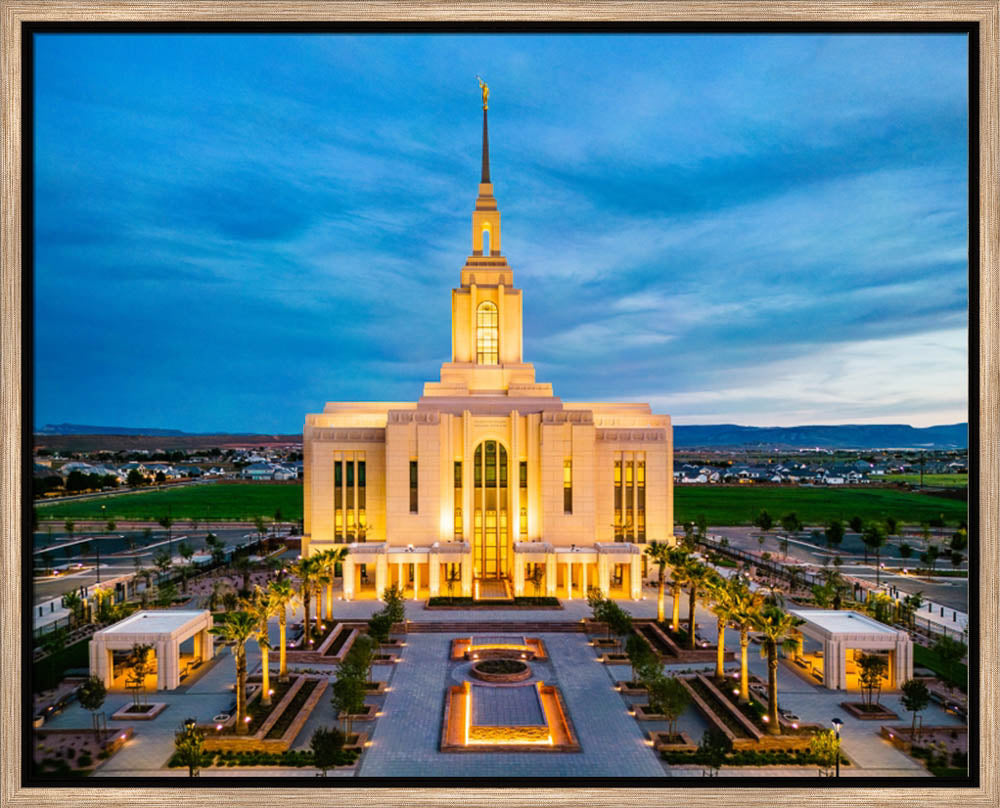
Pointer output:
x,y
349,522
522,474
487,334
640,497
619,535
567,486
413,486
458,499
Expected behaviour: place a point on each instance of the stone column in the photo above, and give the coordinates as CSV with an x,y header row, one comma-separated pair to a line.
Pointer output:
x,y
834,666
467,575
603,574
400,578
416,580
518,574
348,577
569,578
162,673
551,573
635,567
381,574
207,645
434,574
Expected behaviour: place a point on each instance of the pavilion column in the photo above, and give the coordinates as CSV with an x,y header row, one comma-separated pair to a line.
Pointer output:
x,y
348,577
381,575
799,647
207,645
635,567
834,666
162,673
518,575
434,574
551,574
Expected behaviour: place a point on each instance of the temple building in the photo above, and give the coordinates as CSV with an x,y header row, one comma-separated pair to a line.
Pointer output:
x,y
489,485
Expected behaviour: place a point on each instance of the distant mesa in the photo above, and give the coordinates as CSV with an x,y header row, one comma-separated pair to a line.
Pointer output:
x,y
84,429
845,436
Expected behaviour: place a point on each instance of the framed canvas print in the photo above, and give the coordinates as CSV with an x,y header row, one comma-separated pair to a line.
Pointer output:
x,y
592,402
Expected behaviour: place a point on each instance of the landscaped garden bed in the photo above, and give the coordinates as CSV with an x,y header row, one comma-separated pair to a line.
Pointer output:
x,y
520,602
865,712
139,712
222,758
749,757
630,688
501,670
75,752
275,727
678,742
369,714
293,708
340,639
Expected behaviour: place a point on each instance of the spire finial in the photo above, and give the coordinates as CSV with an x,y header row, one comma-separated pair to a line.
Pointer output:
x,y
486,140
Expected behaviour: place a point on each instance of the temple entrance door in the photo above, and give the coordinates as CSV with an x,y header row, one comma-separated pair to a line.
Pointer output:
x,y
490,532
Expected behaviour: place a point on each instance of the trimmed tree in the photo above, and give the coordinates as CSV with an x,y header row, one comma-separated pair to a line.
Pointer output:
x,y
91,695
668,697
871,669
713,748
326,745
189,745
916,697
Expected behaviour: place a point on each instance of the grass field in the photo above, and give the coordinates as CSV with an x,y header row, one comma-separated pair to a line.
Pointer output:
x,y
737,506
721,505
222,501
932,480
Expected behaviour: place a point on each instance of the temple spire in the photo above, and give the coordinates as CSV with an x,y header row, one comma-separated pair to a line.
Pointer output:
x,y
486,137
486,150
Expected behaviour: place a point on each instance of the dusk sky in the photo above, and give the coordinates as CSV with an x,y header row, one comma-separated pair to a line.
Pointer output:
x,y
232,230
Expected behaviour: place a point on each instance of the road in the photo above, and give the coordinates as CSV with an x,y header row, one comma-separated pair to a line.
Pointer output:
x,y
116,557
950,592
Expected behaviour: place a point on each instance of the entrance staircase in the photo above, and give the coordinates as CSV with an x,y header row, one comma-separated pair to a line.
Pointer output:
x,y
493,627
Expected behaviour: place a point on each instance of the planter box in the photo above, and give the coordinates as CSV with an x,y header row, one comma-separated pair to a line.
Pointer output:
x,y
642,714
614,659
661,742
367,715
258,741
378,690
123,713
627,690
857,710
360,739
604,643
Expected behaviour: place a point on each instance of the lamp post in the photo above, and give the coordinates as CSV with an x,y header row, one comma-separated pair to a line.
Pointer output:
x,y
837,724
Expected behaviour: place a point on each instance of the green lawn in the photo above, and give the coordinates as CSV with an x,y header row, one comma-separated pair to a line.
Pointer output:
x,y
957,673
223,501
731,505
933,480
728,505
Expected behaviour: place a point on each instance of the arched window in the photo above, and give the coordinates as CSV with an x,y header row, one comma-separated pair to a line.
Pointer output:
x,y
486,241
487,334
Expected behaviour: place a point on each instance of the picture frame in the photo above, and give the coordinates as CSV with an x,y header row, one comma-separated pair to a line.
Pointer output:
x,y
984,12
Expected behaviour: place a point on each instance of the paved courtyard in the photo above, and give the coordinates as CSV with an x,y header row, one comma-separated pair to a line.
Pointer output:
x,y
406,737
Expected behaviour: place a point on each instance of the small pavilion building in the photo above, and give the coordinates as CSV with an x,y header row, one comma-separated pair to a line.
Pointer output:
x,y
166,631
831,641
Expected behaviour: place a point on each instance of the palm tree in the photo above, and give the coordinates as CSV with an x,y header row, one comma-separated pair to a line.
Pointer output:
x,y
262,606
724,594
659,553
305,569
330,559
778,629
748,603
676,558
696,574
238,629
281,594
322,578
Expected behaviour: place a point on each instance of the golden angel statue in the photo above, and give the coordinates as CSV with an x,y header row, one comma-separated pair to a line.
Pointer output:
x,y
485,89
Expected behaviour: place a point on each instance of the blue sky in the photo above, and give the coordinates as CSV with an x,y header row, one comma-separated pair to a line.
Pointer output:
x,y
232,230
